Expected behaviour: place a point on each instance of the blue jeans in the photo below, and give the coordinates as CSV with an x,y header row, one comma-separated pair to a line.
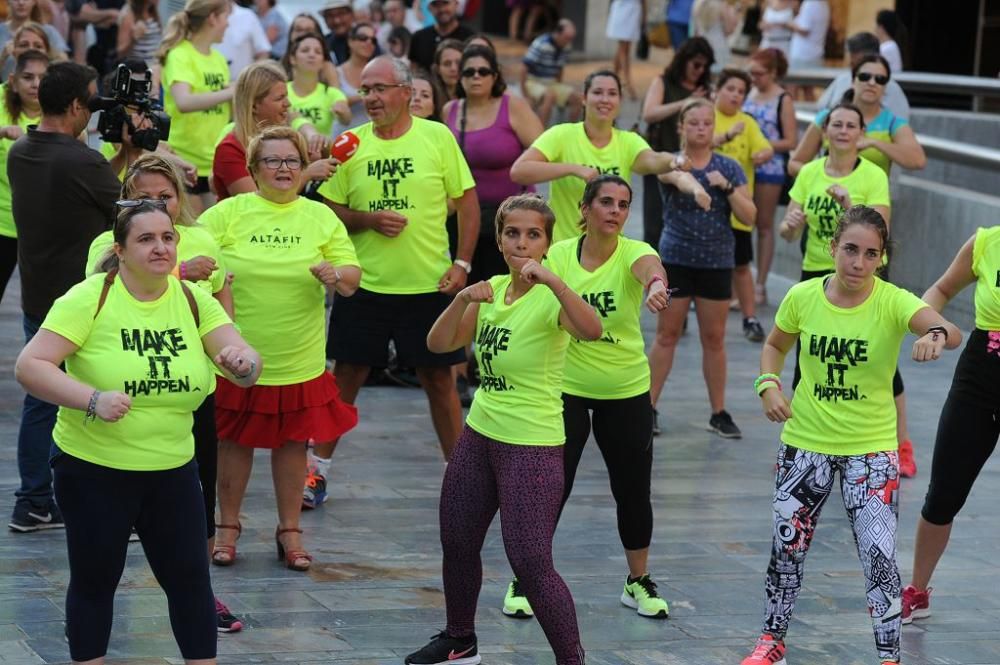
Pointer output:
x,y
678,34
34,441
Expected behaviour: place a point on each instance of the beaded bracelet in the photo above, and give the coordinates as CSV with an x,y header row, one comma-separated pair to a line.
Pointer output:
x,y
91,407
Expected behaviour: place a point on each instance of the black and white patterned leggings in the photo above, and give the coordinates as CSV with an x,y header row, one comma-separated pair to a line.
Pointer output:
x,y
870,487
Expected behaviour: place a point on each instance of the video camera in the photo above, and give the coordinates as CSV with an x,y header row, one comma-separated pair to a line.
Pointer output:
x,y
130,95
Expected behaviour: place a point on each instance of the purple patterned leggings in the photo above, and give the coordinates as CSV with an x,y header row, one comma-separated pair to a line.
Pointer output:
x,y
525,483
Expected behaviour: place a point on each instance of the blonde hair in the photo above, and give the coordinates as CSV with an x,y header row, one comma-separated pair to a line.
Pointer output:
x,y
151,163
689,105
530,202
55,55
187,22
251,87
275,133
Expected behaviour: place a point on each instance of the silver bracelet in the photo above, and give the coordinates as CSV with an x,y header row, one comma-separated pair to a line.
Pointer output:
x,y
92,407
253,366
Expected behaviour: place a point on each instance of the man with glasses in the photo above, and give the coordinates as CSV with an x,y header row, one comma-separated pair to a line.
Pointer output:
x,y
446,26
62,197
393,197
858,46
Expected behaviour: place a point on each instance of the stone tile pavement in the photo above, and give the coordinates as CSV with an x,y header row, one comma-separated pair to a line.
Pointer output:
x,y
374,592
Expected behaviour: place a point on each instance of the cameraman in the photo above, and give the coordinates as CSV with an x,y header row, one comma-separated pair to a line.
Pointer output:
x,y
62,196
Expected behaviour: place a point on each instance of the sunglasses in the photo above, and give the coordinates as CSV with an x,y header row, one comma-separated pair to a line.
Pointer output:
x,y
365,38
864,77
126,204
469,72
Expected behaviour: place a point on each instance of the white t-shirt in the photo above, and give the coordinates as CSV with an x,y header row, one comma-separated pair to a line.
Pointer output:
x,y
244,39
890,51
814,16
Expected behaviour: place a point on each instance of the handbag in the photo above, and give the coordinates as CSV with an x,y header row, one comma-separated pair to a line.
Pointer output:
x,y
658,34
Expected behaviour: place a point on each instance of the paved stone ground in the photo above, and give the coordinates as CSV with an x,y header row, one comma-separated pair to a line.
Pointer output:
x,y
374,592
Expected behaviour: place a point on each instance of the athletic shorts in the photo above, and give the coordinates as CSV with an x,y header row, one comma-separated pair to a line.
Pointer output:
x,y
743,247
362,325
708,283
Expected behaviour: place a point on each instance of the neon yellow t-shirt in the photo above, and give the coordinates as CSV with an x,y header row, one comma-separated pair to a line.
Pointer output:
x,y
151,351
192,134
568,144
521,351
741,148
317,106
986,266
413,175
269,247
192,241
7,227
843,404
613,367
867,184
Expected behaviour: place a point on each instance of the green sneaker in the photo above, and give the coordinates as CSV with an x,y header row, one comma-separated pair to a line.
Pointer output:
x,y
515,604
642,596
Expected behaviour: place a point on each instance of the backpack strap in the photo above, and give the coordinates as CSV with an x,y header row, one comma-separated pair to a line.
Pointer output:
x,y
109,279
781,101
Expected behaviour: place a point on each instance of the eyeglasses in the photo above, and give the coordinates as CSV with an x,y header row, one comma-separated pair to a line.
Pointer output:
x,y
864,77
275,163
138,203
380,88
483,72
365,38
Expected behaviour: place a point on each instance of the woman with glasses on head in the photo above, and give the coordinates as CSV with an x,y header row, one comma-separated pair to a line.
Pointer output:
x,y
137,345
363,44
887,139
285,252
571,154
199,261
687,75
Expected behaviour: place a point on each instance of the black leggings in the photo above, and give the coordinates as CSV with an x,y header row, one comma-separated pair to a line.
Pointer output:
x,y
206,454
967,431
100,506
652,210
623,429
8,259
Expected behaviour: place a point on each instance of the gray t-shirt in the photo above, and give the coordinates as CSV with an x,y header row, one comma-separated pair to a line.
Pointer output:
x,y
894,98
698,238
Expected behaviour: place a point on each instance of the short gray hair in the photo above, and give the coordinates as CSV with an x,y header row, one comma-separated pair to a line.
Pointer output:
x,y
401,70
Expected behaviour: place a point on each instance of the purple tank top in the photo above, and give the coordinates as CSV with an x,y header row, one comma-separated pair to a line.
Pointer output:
x,y
490,153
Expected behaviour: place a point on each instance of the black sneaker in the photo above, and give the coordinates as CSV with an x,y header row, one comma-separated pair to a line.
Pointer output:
x,y
722,424
444,650
226,622
27,518
656,423
752,329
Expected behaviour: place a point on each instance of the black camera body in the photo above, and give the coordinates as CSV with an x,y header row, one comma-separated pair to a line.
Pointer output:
x,y
129,95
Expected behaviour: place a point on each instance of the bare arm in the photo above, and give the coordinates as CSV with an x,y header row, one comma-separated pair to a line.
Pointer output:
x,y
904,149
525,122
343,279
37,370
125,36
743,206
931,342
532,168
225,298
241,186
239,362
806,151
958,276
772,361
188,102
467,207
648,162
456,326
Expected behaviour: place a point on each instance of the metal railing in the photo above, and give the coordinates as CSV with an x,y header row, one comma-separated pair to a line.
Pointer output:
x,y
954,152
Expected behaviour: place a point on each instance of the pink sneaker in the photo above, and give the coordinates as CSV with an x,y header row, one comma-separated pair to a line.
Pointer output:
x,y
916,603
907,465
769,651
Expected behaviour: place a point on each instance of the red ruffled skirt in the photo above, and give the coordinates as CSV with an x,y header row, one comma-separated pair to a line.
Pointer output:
x,y
270,416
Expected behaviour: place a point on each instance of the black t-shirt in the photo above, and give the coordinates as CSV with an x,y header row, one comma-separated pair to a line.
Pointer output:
x,y
425,42
106,37
63,196
339,48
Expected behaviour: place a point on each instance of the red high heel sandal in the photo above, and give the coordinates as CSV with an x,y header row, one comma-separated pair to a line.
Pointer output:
x,y
291,557
225,555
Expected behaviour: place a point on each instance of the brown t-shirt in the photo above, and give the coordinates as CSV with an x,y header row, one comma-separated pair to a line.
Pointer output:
x,y
62,196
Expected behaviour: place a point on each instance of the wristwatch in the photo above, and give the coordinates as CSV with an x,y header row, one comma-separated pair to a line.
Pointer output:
x,y
464,265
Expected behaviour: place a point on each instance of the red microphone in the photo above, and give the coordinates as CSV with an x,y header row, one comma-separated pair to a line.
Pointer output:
x,y
344,146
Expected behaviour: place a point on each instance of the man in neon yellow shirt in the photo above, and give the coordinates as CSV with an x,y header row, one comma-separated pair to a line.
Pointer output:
x,y
392,195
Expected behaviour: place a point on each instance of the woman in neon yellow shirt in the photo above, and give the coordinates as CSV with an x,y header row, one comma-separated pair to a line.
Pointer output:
x,y
134,342
606,383
20,108
888,138
571,154
851,324
509,456
309,96
968,429
196,85
285,251
151,177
